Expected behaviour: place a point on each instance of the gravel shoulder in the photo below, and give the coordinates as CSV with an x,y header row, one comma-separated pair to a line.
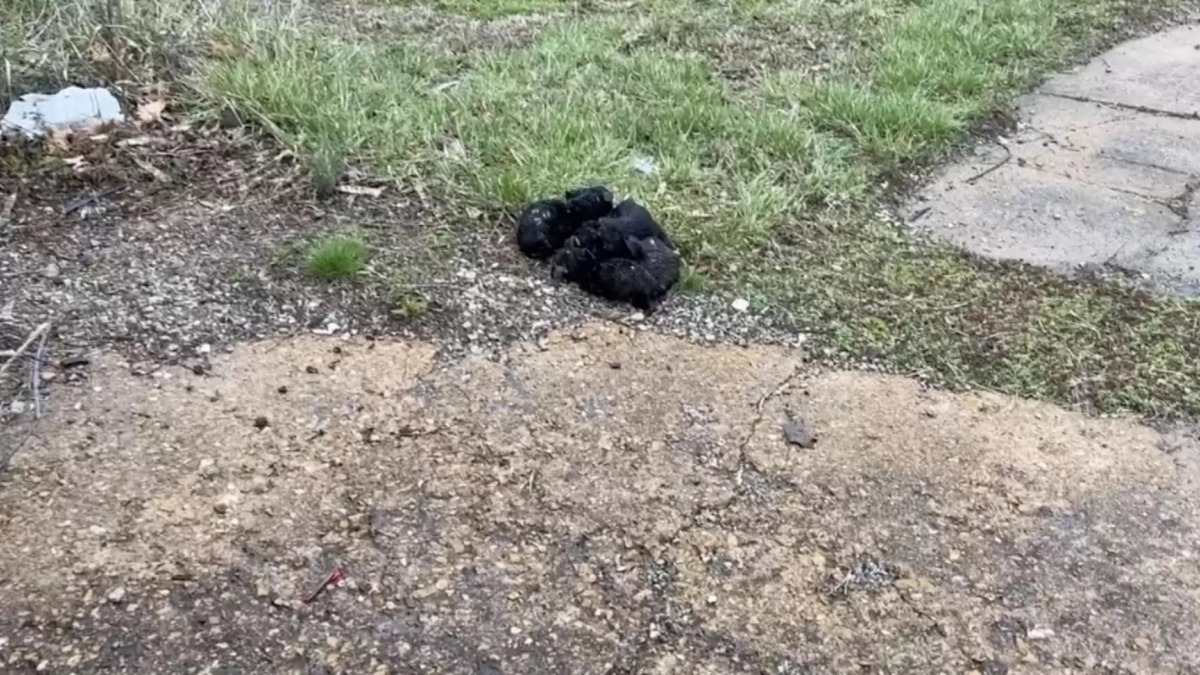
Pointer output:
x,y
168,270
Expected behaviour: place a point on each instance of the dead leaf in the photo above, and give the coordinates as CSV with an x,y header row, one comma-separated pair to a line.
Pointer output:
x,y
454,149
151,111
76,162
221,51
7,210
360,190
134,142
158,89
99,52
60,139
149,168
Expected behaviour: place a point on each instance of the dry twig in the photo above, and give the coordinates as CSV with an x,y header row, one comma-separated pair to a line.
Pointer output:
x,y
37,332
6,212
35,375
1008,155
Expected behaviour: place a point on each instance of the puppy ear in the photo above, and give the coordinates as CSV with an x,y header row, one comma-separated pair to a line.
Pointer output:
x,y
634,245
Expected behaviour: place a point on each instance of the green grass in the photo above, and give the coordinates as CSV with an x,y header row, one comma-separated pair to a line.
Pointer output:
x,y
570,108
776,126
47,43
491,9
336,257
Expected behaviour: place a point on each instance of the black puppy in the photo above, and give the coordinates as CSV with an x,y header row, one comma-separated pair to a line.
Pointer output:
x,y
589,203
660,260
624,280
545,225
637,221
608,237
605,262
592,244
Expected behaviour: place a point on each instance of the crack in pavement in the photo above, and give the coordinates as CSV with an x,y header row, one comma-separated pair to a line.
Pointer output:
x,y
758,409
673,619
1138,162
1195,116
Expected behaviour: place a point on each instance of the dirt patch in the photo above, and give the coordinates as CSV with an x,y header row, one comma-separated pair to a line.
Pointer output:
x,y
609,501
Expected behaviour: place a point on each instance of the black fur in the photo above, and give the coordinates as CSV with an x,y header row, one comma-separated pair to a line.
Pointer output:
x,y
660,260
545,225
619,253
605,261
624,280
589,203
638,222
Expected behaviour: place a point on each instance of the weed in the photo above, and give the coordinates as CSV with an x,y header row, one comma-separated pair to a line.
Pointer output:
x,y
410,306
328,163
336,257
691,280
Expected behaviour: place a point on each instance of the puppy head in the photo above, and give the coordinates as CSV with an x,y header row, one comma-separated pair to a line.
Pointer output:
x,y
594,193
590,202
570,262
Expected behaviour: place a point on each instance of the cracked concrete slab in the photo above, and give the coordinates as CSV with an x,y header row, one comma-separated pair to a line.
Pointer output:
x,y
1094,176
1157,73
606,501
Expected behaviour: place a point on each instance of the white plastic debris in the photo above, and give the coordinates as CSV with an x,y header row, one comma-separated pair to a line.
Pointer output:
x,y
644,165
36,114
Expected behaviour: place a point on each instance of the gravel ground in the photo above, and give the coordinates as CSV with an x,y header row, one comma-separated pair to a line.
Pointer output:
x,y
172,271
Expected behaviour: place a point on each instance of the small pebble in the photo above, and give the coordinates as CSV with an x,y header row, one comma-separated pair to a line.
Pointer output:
x,y
312,370
261,422
741,304
1040,633
116,595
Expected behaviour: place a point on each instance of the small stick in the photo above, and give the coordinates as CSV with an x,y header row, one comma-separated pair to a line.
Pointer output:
x,y
35,373
1007,158
89,199
8,208
37,332
335,576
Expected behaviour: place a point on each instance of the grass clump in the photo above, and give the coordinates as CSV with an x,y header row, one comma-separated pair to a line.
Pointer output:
x,y
336,257
935,69
409,305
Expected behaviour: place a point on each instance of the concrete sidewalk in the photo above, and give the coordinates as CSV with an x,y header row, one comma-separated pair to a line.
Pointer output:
x,y
1101,172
